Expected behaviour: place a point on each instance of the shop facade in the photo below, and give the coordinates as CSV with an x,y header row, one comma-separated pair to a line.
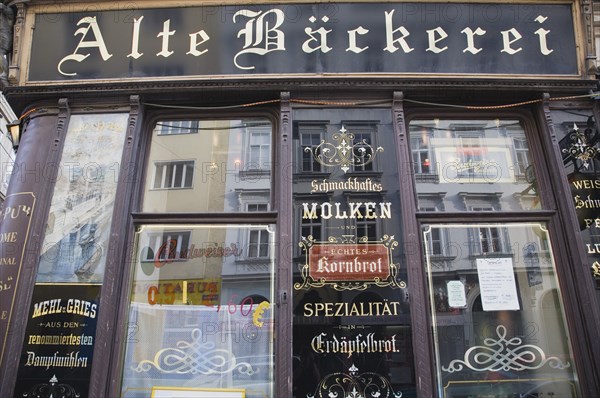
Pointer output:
x,y
302,200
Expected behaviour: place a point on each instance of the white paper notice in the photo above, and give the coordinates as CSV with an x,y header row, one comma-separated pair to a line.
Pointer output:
x,y
497,284
456,294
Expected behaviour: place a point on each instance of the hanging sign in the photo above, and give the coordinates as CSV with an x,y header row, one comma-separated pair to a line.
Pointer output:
x,y
316,39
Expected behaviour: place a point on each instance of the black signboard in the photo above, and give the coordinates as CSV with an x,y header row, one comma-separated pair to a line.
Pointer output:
x,y
56,359
352,333
315,39
15,220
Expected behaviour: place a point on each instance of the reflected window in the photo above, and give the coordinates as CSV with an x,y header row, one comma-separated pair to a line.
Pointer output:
x,y
471,156
421,155
173,175
258,244
211,170
177,127
310,139
490,240
522,155
311,224
362,147
172,245
258,240
259,155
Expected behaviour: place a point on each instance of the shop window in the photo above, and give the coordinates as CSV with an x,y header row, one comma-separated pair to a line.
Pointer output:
x,y
500,306
77,235
208,171
205,321
177,127
76,247
173,175
455,158
579,142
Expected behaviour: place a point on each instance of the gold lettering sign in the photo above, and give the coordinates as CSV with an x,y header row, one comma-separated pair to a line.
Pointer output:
x,y
349,266
15,220
349,262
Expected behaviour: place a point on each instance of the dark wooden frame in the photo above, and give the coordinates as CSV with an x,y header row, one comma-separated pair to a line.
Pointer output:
x,y
577,290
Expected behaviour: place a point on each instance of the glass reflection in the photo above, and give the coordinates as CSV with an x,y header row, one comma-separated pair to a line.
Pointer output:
x,y
209,166
201,312
498,319
77,231
472,165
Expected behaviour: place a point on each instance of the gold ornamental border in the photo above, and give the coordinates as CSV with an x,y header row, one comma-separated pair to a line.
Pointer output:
x,y
309,282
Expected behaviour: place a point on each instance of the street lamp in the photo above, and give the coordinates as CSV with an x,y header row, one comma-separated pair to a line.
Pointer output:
x,y
14,129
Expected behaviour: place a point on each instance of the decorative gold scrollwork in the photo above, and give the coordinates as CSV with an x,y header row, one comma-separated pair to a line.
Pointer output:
x,y
344,153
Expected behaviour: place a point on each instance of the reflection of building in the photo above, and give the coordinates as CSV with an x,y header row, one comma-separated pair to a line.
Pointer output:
x,y
7,154
259,199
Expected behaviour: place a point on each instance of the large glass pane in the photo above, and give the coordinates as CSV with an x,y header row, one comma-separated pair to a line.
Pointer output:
x,y
78,228
201,315
216,165
469,165
351,317
58,345
498,321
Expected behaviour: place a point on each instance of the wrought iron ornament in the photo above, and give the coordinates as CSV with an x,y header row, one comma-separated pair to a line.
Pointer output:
x,y
504,355
344,153
580,148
